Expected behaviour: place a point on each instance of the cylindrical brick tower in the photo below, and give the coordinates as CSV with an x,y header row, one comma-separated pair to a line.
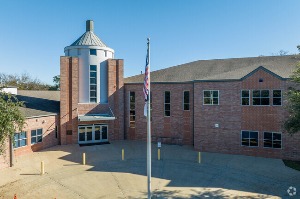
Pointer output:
x,y
93,69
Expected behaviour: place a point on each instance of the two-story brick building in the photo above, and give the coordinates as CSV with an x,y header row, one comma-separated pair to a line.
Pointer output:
x,y
226,106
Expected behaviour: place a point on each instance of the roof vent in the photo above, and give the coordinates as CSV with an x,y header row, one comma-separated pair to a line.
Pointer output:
x,y
90,25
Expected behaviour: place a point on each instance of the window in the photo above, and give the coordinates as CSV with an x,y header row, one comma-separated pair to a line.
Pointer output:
x,y
186,100
36,136
245,98
93,83
211,97
260,97
249,138
132,109
277,97
272,140
93,52
167,103
20,139
56,131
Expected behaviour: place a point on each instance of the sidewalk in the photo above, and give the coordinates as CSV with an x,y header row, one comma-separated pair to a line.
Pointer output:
x,y
176,175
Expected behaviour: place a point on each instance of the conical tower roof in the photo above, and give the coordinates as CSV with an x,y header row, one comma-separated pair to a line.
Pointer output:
x,y
89,38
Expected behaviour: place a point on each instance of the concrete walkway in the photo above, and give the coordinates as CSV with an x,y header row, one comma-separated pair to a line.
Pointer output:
x,y
176,175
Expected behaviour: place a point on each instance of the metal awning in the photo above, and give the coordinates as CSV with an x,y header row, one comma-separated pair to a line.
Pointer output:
x,y
95,117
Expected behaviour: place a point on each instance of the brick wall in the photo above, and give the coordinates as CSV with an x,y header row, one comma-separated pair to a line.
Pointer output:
x,y
69,99
70,108
176,129
229,115
46,123
232,118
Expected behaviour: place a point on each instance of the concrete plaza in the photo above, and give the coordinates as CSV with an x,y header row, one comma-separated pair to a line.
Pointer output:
x,y
176,175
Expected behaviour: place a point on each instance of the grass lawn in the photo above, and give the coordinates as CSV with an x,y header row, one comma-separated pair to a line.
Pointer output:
x,y
292,164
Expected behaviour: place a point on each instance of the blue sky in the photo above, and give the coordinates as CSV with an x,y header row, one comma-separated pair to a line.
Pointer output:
x,y
34,33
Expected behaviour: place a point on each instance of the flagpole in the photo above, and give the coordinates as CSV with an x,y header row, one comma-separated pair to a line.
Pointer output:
x,y
149,130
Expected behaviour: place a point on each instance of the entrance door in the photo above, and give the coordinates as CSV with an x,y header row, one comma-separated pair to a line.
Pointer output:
x,y
101,133
92,133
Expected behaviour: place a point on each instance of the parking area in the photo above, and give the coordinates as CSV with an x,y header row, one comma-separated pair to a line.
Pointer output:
x,y
177,175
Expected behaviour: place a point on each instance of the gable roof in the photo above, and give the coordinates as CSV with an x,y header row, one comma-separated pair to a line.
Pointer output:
x,y
221,69
39,103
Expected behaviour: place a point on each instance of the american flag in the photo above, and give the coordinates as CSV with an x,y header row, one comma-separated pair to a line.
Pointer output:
x,y
147,76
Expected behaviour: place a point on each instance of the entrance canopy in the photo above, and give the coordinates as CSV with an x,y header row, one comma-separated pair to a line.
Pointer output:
x,y
95,117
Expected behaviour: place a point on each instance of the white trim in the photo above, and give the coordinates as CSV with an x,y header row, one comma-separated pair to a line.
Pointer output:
x,y
93,84
210,98
93,133
36,136
26,138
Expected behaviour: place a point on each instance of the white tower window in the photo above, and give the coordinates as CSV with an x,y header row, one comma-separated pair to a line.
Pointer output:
x,y
93,52
93,83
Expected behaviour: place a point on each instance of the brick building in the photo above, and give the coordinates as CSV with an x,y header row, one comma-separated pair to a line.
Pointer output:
x,y
231,106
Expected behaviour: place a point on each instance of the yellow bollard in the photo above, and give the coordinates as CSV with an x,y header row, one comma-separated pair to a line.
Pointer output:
x,y
158,154
199,157
83,158
42,168
122,154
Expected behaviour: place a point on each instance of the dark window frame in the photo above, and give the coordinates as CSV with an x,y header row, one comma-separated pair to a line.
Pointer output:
x,y
132,113
211,97
242,97
167,104
277,97
186,103
260,97
93,52
272,140
249,138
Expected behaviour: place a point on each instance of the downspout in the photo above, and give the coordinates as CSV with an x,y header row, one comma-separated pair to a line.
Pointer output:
x,y
194,114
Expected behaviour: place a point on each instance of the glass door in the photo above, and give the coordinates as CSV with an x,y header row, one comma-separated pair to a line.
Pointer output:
x,y
81,134
104,133
92,133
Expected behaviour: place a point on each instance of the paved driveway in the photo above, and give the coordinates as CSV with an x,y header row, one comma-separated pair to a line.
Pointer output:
x,y
176,175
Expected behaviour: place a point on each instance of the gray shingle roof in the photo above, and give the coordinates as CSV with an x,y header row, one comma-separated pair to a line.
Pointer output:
x,y
38,103
221,69
88,39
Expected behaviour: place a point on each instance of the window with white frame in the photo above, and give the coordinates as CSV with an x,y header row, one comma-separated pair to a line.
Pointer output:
x,y
20,139
36,136
132,109
272,140
249,138
186,100
93,83
277,98
167,103
245,97
210,97
260,97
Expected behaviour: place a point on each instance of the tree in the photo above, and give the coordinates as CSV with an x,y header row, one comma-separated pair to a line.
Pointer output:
x,y
56,81
23,82
11,118
292,124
